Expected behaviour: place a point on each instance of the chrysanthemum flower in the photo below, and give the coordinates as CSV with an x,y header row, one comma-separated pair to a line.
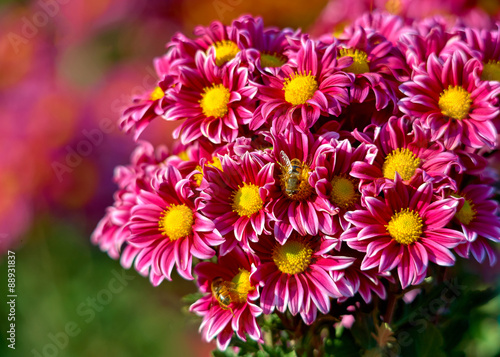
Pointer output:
x,y
403,148
450,100
388,25
112,231
297,275
294,205
214,101
302,90
267,46
418,47
377,66
485,46
337,190
236,198
145,108
227,308
365,282
168,223
479,222
406,230
224,42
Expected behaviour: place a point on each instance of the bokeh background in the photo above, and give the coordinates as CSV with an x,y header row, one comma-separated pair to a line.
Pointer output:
x,y
68,68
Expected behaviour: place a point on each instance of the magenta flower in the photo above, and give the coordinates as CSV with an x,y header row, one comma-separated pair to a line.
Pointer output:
x,y
223,42
302,90
365,282
236,198
237,314
167,223
435,40
388,25
450,101
405,229
214,101
479,221
145,108
406,149
377,65
337,190
485,46
295,204
112,232
267,46
297,275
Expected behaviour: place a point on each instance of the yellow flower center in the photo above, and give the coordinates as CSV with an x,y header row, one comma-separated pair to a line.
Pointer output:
x,y
344,193
242,286
214,163
299,88
296,185
274,60
467,213
402,161
214,101
225,51
491,71
183,155
293,257
455,102
176,221
247,201
156,94
405,227
360,62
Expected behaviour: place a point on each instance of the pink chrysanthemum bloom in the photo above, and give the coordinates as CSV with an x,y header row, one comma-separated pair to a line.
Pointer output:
x,y
337,190
418,47
146,107
405,229
295,204
365,282
403,148
388,25
267,46
302,90
227,308
168,223
214,101
485,46
112,232
377,65
223,42
236,198
297,275
450,101
478,218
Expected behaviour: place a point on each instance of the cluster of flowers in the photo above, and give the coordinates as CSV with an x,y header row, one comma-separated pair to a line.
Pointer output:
x,y
310,169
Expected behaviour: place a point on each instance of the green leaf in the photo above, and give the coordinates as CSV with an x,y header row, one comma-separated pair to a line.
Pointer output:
x,y
192,298
428,343
345,346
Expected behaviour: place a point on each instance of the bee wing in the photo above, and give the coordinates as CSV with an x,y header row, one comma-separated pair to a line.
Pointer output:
x,y
284,160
